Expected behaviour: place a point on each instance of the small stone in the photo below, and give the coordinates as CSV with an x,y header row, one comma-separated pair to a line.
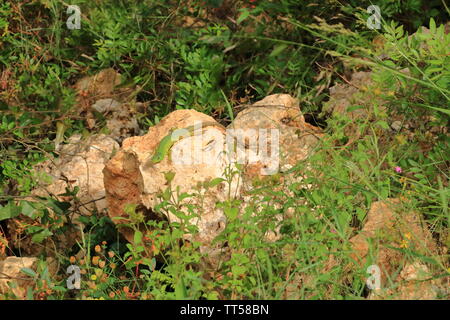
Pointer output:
x,y
396,125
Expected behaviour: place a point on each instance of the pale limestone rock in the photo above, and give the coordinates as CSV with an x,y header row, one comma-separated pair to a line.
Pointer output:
x,y
389,224
13,280
297,138
130,178
413,283
82,163
297,141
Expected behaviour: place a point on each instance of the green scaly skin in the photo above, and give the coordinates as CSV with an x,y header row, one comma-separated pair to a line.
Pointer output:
x,y
168,141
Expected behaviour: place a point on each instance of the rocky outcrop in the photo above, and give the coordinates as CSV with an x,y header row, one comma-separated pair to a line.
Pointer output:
x,y
131,179
389,230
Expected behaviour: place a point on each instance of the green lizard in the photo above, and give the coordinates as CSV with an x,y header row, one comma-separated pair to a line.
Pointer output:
x,y
169,140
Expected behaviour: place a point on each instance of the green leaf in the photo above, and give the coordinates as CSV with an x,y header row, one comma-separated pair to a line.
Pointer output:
x,y
231,213
447,112
137,237
151,263
180,290
420,176
435,62
59,207
40,236
28,209
9,211
29,272
215,182
238,270
30,293
166,194
278,49
353,108
244,15
431,70
383,124
432,26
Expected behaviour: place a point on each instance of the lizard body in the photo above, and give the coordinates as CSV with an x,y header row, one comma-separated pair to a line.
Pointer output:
x,y
169,140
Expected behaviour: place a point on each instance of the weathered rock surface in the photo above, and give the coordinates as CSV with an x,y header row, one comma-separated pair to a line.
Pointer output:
x,y
80,164
130,178
99,93
388,229
344,95
296,138
13,280
101,85
120,117
413,283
